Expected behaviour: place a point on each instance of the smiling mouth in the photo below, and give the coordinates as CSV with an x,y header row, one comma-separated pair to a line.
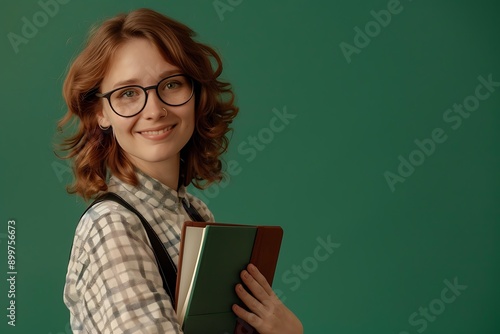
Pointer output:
x,y
158,132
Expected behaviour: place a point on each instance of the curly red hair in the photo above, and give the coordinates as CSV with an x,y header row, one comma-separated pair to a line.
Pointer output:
x,y
95,153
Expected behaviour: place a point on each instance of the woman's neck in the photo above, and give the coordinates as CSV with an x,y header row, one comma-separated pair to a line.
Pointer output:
x,y
167,171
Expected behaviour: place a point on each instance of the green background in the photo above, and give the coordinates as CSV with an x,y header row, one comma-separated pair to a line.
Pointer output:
x,y
322,176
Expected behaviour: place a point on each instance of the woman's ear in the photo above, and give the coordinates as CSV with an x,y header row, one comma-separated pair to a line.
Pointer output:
x,y
103,120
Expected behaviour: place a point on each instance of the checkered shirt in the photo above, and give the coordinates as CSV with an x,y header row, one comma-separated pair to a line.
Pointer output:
x,y
113,284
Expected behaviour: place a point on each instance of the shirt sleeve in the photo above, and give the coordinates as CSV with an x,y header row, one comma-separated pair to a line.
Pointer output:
x,y
113,284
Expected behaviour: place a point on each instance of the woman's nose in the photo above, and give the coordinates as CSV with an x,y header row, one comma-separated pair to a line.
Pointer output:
x,y
154,108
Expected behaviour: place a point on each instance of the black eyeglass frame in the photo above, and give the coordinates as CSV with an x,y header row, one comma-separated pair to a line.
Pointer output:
x,y
145,89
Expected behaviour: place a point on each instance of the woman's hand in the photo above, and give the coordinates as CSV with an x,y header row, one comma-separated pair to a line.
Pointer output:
x,y
268,315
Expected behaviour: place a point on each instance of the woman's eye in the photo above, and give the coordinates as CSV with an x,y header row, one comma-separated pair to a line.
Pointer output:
x,y
172,85
128,93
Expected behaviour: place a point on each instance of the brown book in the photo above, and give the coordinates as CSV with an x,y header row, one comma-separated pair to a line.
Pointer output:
x,y
231,245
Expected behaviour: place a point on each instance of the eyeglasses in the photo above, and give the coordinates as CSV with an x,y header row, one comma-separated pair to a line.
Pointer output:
x,y
129,101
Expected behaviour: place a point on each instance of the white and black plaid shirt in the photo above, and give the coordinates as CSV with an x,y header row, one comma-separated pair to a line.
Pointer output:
x,y
113,284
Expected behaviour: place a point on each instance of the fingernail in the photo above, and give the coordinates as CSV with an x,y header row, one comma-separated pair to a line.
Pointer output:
x,y
244,273
251,267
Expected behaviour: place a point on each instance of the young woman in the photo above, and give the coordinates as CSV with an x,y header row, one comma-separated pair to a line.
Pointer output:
x,y
152,118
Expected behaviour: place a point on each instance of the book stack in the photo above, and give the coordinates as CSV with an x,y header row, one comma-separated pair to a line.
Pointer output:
x,y
212,256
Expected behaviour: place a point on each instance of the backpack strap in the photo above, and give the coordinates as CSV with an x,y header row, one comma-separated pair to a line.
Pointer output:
x,y
192,212
166,266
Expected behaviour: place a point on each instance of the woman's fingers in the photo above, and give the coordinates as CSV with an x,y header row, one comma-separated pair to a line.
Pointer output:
x,y
254,286
257,311
260,279
266,313
248,317
250,301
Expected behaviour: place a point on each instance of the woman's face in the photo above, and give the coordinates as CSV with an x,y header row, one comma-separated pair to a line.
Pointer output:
x,y
153,139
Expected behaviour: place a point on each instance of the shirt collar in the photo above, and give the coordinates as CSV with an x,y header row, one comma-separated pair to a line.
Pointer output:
x,y
154,192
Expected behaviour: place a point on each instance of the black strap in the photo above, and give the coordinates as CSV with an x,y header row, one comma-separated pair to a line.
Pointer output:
x,y
166,266
192,212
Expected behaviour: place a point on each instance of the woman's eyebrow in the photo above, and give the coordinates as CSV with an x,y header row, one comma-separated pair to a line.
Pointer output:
x,y
133,81
167,73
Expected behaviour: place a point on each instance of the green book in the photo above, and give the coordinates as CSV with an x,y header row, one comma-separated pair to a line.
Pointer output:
x,y
212,257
